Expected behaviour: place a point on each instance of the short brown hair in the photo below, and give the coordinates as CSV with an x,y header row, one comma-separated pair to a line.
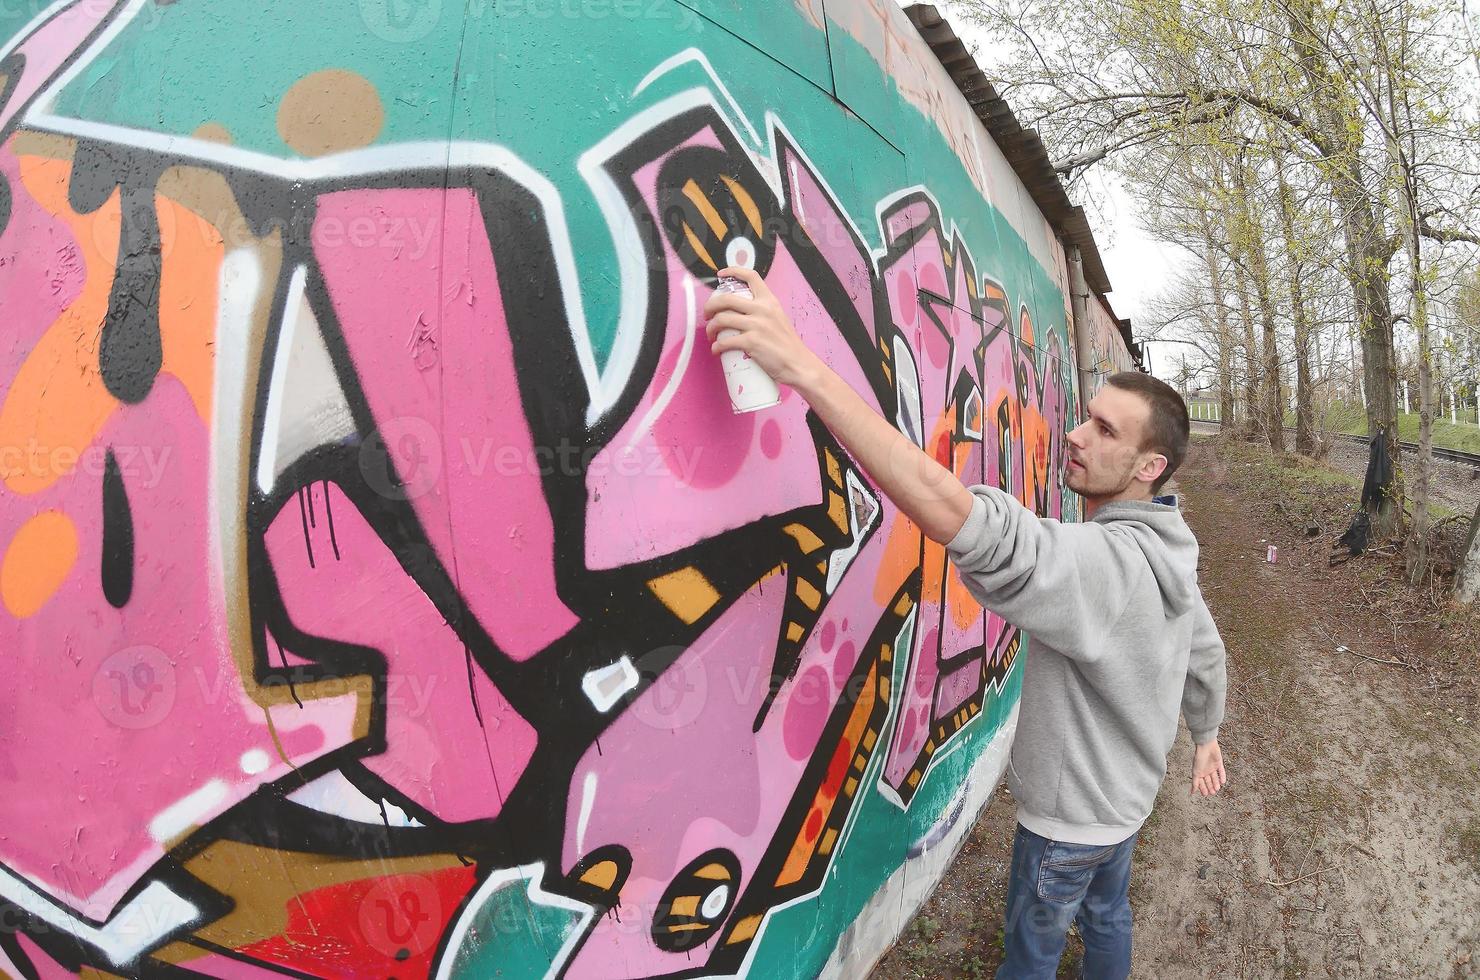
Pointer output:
x,y
1168,427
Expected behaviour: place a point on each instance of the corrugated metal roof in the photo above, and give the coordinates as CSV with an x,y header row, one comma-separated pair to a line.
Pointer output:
x,y
1024,150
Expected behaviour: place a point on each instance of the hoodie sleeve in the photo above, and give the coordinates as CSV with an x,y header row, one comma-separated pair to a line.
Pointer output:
x,y
1206,688
1063,583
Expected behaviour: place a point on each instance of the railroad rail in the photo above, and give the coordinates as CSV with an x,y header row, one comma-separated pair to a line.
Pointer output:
x,y
1456,456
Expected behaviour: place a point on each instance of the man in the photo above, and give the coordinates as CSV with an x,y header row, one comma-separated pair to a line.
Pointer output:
x,y
1121,635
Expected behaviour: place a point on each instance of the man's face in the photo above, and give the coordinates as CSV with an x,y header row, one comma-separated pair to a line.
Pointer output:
x,y
1105,454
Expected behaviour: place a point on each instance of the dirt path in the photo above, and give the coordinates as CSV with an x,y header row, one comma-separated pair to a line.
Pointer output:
x,y
1347,843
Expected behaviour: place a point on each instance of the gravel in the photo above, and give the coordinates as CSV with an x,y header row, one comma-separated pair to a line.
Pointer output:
x,y
1454,486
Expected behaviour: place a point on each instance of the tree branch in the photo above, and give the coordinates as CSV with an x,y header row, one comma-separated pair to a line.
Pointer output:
x,y
1446,234
1206,105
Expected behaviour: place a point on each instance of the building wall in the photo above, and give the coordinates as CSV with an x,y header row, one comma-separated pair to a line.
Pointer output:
x,y
1108,353
388,588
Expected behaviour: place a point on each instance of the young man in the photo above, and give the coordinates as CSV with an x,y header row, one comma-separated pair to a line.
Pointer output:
x,y
1121,637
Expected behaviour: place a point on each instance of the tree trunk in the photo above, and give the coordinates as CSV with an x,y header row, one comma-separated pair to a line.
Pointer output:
x,y
1252,427
1368,254
1379,367
1252,241
1305,410
1418,551
1418,540
1220,318
1467,586
1305,437
1274,392
1234,234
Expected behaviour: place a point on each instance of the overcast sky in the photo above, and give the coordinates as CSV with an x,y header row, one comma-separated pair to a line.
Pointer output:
x,y
1137,263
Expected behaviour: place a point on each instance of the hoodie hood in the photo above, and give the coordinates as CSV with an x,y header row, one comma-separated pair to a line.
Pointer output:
x,y
1166,541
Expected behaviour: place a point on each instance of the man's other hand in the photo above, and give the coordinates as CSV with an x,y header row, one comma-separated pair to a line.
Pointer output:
x,y
1208,776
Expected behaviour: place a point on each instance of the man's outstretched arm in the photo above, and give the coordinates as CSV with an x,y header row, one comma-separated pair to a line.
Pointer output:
x,y
1058,582
926,491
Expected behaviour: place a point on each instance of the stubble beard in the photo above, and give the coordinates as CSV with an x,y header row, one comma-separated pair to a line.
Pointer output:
x,y
1082,483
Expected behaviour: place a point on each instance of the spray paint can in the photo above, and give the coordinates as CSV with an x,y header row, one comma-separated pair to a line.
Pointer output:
x,y
751,388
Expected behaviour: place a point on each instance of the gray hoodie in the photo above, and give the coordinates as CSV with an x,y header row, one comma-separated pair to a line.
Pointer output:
x,y
1121,638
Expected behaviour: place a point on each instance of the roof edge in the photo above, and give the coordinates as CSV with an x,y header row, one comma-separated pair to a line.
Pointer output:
x,y
1023,148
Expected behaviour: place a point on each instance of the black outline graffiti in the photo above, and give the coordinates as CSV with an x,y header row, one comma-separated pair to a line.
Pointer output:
x,y
544,689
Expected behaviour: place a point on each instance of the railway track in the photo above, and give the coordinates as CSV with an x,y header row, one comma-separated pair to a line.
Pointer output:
x,y
1456,456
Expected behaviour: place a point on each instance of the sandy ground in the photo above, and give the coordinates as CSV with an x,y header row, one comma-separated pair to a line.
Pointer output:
x,y
1347,843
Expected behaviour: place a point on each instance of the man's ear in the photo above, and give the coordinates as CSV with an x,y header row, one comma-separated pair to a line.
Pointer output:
x,y
1152,468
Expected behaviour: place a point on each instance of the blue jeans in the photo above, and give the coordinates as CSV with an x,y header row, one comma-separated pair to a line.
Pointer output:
x,y
1054,884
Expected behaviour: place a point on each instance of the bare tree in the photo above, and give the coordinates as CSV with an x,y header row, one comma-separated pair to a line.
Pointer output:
x,y
1301,89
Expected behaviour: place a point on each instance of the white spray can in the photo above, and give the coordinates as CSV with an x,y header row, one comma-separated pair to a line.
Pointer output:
x,y
751,388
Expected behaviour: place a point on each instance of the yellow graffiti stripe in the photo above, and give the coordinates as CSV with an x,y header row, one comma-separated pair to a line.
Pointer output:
x,y
711,216
686,592
698,247
746,202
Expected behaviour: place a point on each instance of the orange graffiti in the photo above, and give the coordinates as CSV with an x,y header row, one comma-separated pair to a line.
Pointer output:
x,y
39,558
58,399
193,251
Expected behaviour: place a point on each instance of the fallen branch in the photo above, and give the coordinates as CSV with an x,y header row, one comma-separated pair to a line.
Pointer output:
x,y
1301,908
1296,881
1390,662
1393,662
1343,648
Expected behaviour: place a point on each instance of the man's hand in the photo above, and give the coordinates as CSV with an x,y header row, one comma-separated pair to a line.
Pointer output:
x,y
763,330
1208,776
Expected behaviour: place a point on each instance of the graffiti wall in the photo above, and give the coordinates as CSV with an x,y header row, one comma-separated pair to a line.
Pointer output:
x,y
1108,352
388,588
